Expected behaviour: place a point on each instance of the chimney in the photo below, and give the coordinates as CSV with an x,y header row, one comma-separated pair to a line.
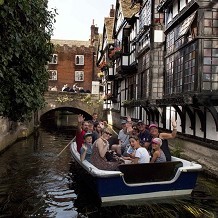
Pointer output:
x,y
94,33
112,11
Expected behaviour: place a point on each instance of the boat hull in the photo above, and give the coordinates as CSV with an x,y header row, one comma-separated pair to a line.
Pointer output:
x,y
115,189
140,181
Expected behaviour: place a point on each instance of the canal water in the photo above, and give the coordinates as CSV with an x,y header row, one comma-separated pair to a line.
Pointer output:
x,y
38,178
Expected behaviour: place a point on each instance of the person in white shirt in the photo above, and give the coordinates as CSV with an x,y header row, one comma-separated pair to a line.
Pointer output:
x,y
141,153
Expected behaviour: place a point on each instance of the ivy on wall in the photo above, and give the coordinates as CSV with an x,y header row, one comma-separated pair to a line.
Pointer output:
x,y
25,49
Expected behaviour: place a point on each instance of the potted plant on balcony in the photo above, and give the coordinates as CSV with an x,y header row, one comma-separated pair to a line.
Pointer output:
x,y
103,66
115,53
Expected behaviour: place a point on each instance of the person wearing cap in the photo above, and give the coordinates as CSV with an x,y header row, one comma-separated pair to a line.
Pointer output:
x,y
82,128
153,128
123,137
99,150
86,149
157,155
144,135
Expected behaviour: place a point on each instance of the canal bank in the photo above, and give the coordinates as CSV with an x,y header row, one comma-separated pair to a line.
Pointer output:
x,y
10,132
193,151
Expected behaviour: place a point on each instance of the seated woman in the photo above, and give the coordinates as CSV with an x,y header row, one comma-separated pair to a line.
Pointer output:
x,y
100,147
141,153
158,155
86,149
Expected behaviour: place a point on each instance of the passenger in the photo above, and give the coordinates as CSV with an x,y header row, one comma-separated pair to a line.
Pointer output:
x,y
100,147
82,128
95,118
123,138
135,130
153,128
97,131
86,149
144,135
157,155
90,126
141,154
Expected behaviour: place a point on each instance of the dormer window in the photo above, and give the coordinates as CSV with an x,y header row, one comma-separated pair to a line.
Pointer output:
x,y
79,59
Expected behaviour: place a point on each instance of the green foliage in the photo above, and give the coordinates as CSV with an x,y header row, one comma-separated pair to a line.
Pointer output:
x,y
177,149
25,48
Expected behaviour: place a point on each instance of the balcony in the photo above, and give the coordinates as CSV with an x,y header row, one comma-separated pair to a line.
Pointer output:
x,y
126,64
109,74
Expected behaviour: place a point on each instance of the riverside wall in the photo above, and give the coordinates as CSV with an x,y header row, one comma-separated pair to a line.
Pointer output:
x,y
198,153
11,131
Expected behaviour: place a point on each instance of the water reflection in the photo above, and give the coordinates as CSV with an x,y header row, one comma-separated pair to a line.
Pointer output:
x,y
35,181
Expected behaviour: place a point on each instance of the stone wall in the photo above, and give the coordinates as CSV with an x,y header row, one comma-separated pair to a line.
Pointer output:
x,y
203,155
10,132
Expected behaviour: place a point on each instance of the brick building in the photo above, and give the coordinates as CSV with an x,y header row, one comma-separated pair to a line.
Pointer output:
x,y
73,62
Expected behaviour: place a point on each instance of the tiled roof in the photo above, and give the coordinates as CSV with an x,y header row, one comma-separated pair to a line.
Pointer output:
x,y
70,42
127,11
109,24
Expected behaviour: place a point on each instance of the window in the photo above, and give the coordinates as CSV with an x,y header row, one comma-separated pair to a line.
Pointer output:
x,y
211,23
53,74
54,59
79,76
186,25
79,59
210,65
189,68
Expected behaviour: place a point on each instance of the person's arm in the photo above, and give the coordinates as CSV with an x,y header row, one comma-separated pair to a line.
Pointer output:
x,y
135,160
80,121
129,125
101,148
154,157
83,152
171,135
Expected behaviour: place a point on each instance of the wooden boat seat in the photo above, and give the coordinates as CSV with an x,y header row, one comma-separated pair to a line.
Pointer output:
x,y
149,172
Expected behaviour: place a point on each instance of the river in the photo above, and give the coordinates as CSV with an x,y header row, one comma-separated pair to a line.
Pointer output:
x,y
38,178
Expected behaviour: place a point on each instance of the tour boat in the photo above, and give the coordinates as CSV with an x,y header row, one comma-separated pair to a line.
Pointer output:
x,y
141,181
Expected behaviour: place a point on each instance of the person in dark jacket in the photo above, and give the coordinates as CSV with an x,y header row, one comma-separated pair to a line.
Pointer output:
x,y
153,129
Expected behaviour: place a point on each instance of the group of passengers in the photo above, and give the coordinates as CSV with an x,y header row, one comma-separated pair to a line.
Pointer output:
x,y
137,143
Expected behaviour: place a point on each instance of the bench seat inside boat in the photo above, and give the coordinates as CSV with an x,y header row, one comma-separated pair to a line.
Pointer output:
x,y
149,172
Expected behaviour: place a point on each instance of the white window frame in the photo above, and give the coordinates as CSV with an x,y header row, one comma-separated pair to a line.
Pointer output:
x,y
80,58
54,59
175,8
53,75
79,76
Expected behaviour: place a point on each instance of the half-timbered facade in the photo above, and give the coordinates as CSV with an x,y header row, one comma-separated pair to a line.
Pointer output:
x,y
191,66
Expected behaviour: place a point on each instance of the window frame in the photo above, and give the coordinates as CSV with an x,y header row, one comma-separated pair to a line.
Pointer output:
x,y
81,60
53,58
53,78
78,75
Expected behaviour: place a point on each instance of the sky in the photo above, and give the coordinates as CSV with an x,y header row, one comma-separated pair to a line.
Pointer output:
x,y
75,17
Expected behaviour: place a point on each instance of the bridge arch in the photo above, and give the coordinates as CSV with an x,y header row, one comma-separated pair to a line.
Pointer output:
x,y
79,103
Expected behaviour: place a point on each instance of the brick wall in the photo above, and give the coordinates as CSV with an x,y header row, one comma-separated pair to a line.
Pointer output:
x,y
66,66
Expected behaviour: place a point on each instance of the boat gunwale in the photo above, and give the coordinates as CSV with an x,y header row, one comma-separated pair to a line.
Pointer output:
x,y
188,166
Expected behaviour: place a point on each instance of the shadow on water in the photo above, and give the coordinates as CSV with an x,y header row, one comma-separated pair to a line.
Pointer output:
x,y
202,203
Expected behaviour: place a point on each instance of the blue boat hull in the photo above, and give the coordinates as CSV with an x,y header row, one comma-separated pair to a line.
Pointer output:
x,y
114,189
140,181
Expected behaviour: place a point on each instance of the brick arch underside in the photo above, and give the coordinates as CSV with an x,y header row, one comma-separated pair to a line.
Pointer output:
x,y
76,110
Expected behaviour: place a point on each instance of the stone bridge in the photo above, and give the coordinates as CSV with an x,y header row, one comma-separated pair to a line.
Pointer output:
x,y
84,103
